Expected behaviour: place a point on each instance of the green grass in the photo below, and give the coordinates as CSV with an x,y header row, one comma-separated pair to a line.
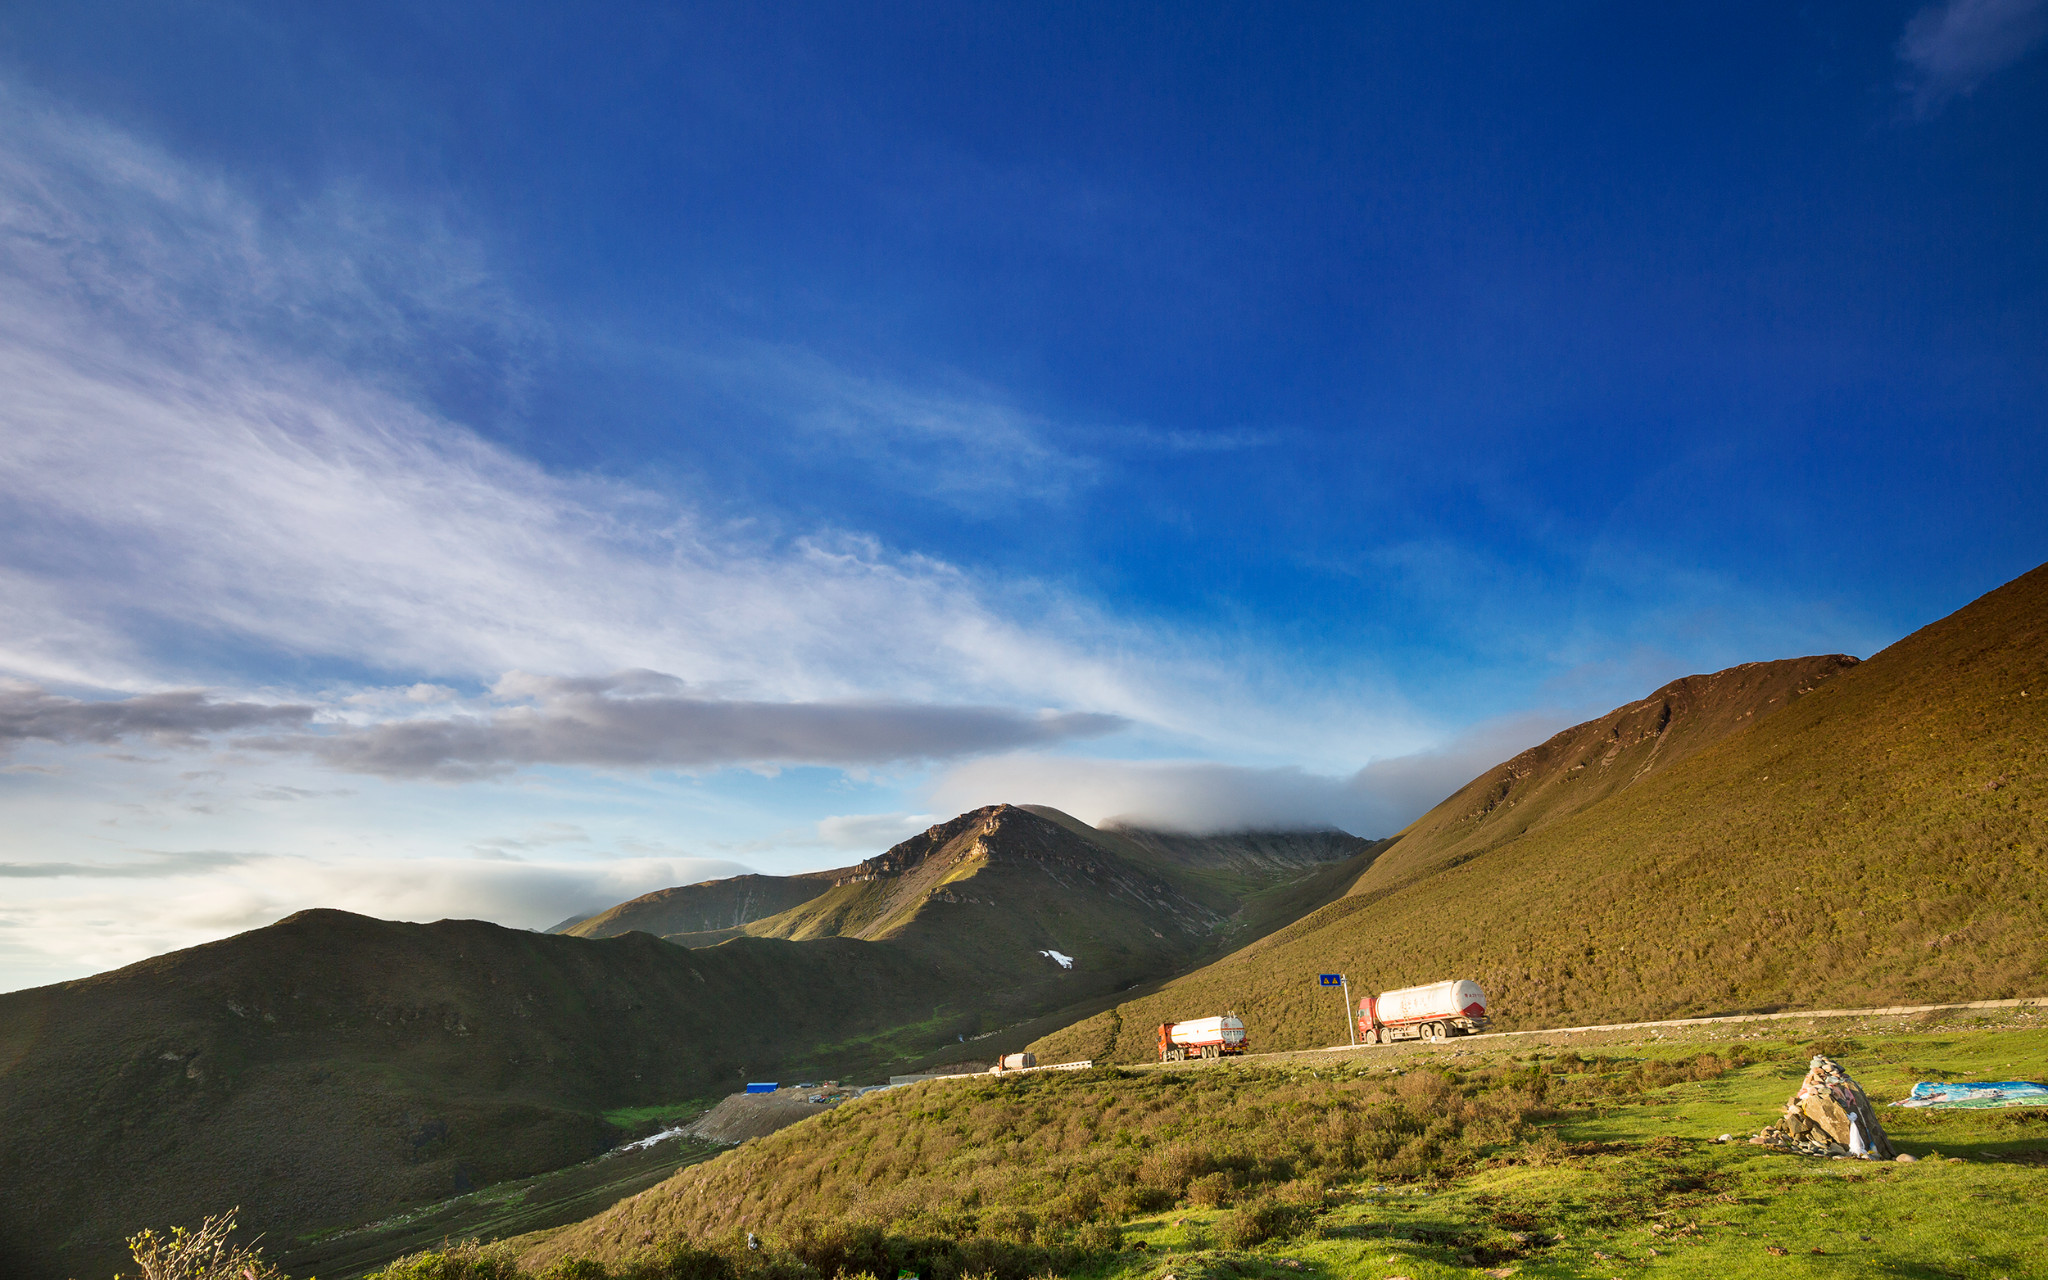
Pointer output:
x,y
889,1044
1865,1222
1535,1159
634,1119
495,1212
710,905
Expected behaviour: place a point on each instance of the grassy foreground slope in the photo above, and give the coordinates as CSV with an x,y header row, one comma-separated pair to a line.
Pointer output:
x,y
1535,1159
1880,839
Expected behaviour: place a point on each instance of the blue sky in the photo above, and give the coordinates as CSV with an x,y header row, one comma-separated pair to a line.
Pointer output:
x,y
482,460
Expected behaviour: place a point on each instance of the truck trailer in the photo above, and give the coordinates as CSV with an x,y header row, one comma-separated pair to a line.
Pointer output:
x,y
1433,1013
1202,1038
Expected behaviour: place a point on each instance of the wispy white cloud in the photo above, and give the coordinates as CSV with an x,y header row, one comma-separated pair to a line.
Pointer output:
x,y
872,832
151,866
1950,49
204,452
967,445
200,441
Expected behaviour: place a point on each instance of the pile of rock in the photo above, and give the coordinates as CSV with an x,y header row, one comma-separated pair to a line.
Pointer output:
x,y
742,1116
1829,1116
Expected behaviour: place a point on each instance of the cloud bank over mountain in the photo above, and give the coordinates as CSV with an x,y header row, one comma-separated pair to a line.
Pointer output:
x,y
1207,796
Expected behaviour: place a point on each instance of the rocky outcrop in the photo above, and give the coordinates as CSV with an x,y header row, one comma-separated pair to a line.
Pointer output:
x,y
1829,1116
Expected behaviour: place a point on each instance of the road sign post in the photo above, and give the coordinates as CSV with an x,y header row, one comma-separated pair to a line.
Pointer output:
x,y
1339,980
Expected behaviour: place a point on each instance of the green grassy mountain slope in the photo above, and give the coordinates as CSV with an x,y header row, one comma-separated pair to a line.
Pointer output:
x,y
332,1068
1051,1159
1878,839
707,906
1255,881
1200,892
998,889
1013,860
1019,881
1587,763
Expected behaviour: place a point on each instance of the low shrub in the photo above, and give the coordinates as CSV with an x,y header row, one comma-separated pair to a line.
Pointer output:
x,y
208,1253
1210,1191
679,1260
1251,1225
468,1260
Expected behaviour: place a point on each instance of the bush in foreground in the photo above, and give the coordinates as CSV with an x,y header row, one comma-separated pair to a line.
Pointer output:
x,y
208,1253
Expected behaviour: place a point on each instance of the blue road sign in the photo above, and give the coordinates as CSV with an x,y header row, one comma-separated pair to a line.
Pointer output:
x,y
1332,979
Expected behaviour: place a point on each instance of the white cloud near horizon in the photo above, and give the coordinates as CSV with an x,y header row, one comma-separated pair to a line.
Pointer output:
x,y
1950,49
1203,797
79,928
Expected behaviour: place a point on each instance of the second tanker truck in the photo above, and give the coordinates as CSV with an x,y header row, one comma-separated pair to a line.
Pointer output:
x,y
1435,1012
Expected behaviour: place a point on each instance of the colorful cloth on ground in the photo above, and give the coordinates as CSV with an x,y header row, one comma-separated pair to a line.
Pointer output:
x,y
1976,1093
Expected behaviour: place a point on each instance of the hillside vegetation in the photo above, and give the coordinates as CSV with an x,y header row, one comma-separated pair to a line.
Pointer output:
x,y
1587,763
708,906
1877,839
1537,1159
332,1068
1050,1159
1193,894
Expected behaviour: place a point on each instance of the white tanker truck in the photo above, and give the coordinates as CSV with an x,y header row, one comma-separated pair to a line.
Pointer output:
x,y
1433,1013
1201,1038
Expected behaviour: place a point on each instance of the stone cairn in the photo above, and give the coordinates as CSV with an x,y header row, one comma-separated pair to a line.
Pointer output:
x,y
1829,1116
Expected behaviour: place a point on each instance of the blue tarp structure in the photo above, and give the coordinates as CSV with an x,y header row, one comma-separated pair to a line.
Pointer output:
x,y
761,1086
1976,1093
